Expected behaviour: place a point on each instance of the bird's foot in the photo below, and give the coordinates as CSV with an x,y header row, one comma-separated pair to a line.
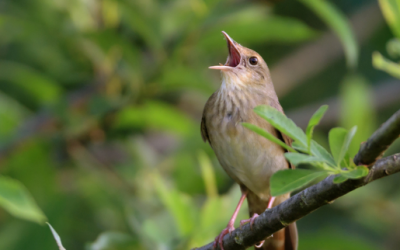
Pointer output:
x,y
251,220
219,239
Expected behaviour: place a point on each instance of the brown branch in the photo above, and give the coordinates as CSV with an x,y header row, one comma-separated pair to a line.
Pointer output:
x,y
379,141
321,193
302,204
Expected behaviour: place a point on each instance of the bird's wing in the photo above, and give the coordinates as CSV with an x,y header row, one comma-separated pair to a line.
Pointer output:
x,y
204,132
203,126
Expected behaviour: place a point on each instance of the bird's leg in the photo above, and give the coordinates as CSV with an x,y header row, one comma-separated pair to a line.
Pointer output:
x,y
271,202
253,218
230,227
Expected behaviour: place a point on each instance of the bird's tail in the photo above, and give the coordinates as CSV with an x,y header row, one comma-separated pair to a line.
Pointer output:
x,y
284,239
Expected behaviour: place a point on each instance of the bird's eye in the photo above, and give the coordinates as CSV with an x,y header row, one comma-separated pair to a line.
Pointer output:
x,y
253,60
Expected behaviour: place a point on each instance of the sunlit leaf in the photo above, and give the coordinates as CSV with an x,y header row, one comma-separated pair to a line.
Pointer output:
x,y
381,63
282,123
299,147
391,12
267,135
339,142
15,198
297,158
337,21
212,219
347,141
321,153
314,121
357,110
285,181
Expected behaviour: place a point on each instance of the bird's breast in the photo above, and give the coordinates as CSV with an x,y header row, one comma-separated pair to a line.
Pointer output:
x,y
247,157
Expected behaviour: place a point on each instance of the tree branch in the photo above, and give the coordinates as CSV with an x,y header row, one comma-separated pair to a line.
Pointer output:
x,y
379,141
302,204
321,193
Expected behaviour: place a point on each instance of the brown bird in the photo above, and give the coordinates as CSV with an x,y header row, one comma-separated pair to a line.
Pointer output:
x,y
247,158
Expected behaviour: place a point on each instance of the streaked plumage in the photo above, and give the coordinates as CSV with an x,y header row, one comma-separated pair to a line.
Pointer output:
x,y
248,158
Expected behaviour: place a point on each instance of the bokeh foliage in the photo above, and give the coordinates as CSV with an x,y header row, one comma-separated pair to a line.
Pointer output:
x,y
100,106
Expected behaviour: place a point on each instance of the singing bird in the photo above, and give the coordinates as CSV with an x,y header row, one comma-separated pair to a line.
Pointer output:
x,y
249,159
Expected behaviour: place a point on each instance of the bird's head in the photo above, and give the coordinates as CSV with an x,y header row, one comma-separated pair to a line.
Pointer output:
x,y
244,67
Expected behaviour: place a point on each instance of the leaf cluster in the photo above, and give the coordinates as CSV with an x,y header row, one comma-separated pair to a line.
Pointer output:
x,y
306,151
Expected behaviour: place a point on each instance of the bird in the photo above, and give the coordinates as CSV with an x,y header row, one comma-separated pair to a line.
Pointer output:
x,y
248,158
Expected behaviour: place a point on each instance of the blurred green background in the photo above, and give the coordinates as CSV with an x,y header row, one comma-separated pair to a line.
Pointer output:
x,y
100,108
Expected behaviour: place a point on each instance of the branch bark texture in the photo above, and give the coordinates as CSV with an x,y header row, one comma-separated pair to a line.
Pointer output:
x,y
379,141
321,193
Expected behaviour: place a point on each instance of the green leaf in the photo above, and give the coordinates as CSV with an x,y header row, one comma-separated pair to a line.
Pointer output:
x,y
339,142
154,115
12,114
339,179
282,123
391,12
357,109
358,172
321,153
314,121
33,84
179,205
347,141
267,135
207,172
56,237
299,147
337,21
288,180
297,158
15,198
381,63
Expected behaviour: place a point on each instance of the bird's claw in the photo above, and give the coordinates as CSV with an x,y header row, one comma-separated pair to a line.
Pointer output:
x,y
260,244
219,239
251,220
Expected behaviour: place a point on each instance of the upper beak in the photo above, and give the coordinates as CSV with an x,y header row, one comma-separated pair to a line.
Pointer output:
x,y
234,55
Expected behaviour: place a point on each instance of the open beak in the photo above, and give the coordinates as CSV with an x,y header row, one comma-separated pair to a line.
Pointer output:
x,y
234,55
